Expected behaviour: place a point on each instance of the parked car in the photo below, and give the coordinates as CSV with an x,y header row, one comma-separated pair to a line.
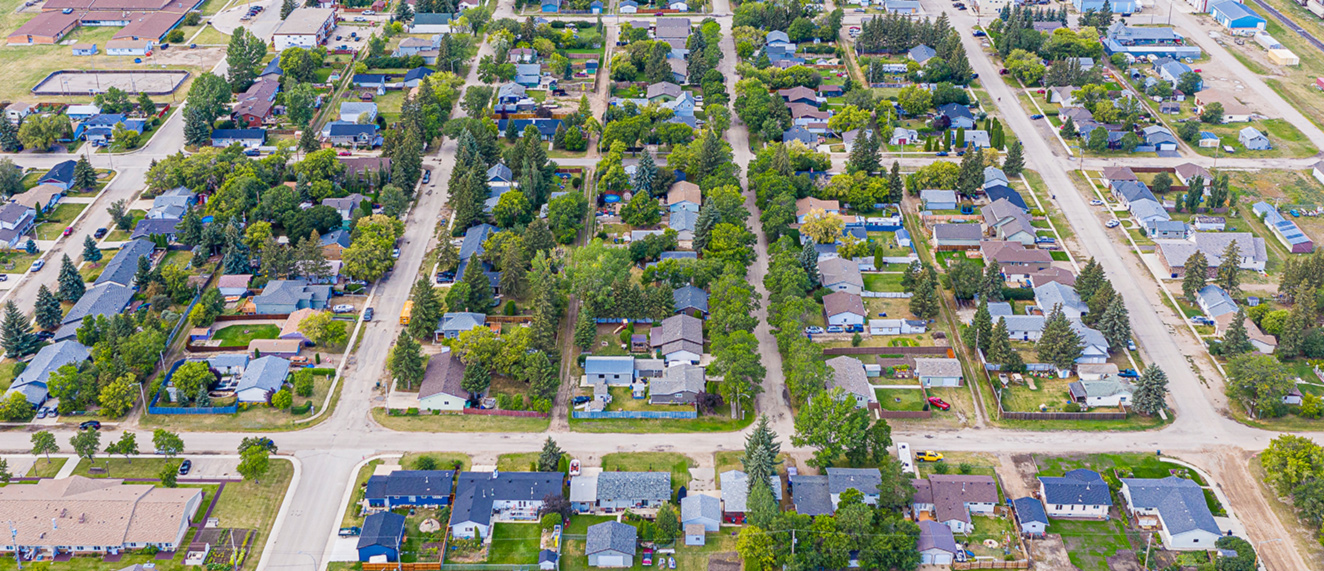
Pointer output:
x,y
1002,378
928,456
1128,373
41,413
941,404
1096,202
814,330
342,308
979,33
184,467
427,176
445,277
299,360
90,425
354,531
941,153
1037,116
100,233
43,335
1112,223
580,400
395,253
835,329
67,231
367,314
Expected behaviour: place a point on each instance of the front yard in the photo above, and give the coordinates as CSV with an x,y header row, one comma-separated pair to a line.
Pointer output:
x,y
54,222
678,464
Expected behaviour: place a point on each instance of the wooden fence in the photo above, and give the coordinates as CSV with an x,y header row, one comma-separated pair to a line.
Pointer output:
x,y
1060,416
420,566
253,317
943,351
884,413
1022,564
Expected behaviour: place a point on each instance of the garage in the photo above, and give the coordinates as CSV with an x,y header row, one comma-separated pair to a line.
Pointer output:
x,y
611,561
935,557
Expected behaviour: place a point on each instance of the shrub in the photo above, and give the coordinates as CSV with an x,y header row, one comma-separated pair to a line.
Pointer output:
x,y
1071,407
942,468
965,468
303,383
855,340
302,408
511,308
411,411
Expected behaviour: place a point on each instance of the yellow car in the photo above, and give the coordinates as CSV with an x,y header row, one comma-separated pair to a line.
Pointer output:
x,y
929,456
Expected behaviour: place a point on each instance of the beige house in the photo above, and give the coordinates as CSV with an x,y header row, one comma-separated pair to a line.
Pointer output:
x,y
84,515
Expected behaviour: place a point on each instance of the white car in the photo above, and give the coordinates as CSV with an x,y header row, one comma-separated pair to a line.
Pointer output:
x,y
1096,202
38,265
1112,223
343,308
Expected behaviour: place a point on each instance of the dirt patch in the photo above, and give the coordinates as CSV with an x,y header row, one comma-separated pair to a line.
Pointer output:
x,y
724,561
180,55
1125,560
1049,553
1247,497
1018,475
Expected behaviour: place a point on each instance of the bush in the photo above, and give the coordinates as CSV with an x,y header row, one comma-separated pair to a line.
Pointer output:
x,y
855,340
175,36
965,467
511,308
192,19
302,408
1017,294
942,468
1071,407
303,383
411,411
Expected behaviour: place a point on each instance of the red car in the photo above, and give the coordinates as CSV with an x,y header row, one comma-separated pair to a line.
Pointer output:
x,y
68,231
941,404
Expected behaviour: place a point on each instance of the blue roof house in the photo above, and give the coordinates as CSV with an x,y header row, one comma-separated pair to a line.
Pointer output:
x,y
262,377
383,534
1177,506
595,6
1118,7
1239,19
551,6
691,300
959,116
1076,494
1031,517
410,488
616,371
61,175
281,297
31,383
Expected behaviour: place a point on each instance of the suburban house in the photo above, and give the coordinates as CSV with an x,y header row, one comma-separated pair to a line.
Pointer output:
x,y
1008,222
1261,341
16,221
1251,137
1076,494
839,274
1287,232
454,323
1174,253
1177,507
255,105
351,135
690,300
849,376
844,309
1234,111
678,338
1030,516
246,138
810,494
443,384
409,488
950,499
618,491
701,509
610,544
684,195
863,480
172,204
104,299
679,384
936,544
958,115
921,53
382,536
121,268
32,382
262,378
41,198
334,243
482,498
1055,295
616,371
62,174
939,372
809,204
358,112
957,236
1107,392
281,297
88,515
994,176
934,199
1215,302
735,494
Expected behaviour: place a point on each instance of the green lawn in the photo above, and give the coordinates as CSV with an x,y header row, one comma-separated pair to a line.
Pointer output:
x,y
351,517
59,218
518,461
579,524
8,371
459,422
92,270
514,544
900,399
240,335
1129,465
883,282
444,460
120,467
118,235
17,262
44,468
678,464
1090,543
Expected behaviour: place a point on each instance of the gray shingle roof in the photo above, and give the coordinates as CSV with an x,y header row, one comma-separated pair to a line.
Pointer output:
x,y
101,299
287,292
677,328
848,374
382,529
690,297
958,232
609,365
611,536
934,535
735,490
476,491
1029,510
473,240
866,480
124,265
949,493
1053,294
840,271
443,375
267,373
1076,488
840,302
32,381
811,496
700,506
938,367
1180,503
461,321
634,486
680,378
154,226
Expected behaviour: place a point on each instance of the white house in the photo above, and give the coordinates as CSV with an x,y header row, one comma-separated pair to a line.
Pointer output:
x,y
1110,392
442,387
838,274
844,309
1076,494
951,498
939,372
849,376
305,28
1177,507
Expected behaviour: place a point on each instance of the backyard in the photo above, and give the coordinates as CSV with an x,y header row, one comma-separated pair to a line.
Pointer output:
x,y
258,417
240,335
1090,544
514,544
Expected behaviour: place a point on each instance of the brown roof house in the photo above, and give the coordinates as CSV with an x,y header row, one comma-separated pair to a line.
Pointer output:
x,y
951,499
442,387
684,195
290,329
844,309
97,515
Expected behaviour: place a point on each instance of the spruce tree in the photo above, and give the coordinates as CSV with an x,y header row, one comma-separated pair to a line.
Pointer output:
x,y
1236,340
1015,161
16,333
477,378
480,289
85,177
549,460
761,449
895,187
990,286
1150,391
1090,278
47,309
71,284
981,328
197,129
1197,271
644,175
809,262
91,253
308,140
1000,351
708,219
427,310
1229,269
1059,343
405,361
1115,324
925,303
9,142
288,6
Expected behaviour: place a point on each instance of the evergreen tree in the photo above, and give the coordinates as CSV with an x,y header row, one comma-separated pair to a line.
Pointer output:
x,y
477,378
760,458
288,6
85,177
308,140
91,253
895,187
9,142
1015,161
480,289
427,310
1151,391
971,176
708,219
1090,278
1001,352
644,175
1299,320
1229,269
863,154
197,128
1059,344
549,460
1236,341
809,261
925,303
990,285
48,310
981,328
586,330
405,361
16,333
1115,324
71,284
1197,271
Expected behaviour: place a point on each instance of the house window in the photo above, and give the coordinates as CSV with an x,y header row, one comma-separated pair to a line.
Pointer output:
x,y
1059,507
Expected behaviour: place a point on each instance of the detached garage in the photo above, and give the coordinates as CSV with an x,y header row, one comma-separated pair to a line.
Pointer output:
x,y
611,544
939,372
936,544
